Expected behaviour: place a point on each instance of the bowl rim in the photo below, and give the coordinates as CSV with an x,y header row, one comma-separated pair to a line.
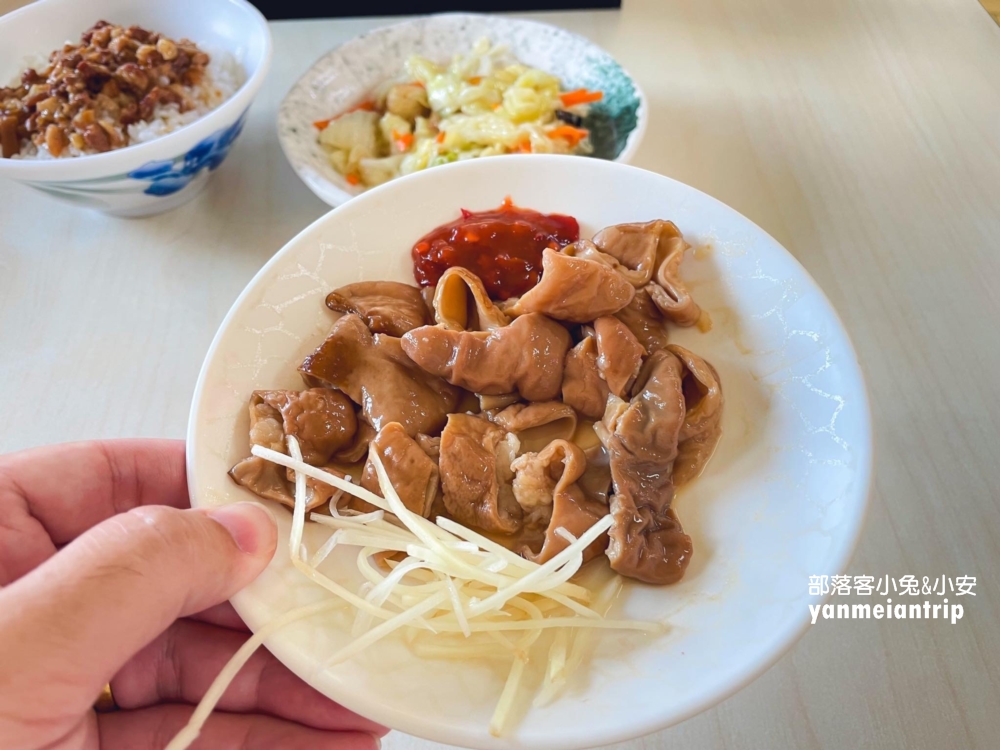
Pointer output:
x,y
334,194
782,639
122,159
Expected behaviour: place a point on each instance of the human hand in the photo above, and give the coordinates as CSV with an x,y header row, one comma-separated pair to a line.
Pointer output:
x,y
108,577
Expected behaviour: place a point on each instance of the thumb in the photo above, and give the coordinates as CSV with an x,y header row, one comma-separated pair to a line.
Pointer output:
x,y
68,626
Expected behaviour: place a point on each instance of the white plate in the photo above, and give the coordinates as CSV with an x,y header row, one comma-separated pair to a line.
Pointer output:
x,y
783,498
346,76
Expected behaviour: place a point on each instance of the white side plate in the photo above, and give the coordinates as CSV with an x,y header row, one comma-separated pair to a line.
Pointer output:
x,y
783,498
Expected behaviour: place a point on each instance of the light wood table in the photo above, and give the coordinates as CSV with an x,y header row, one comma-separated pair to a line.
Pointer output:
x,y
864,135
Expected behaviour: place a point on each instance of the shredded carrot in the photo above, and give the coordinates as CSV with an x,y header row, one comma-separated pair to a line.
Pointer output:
x,y
569,133
352,179
403,141
524,147
367,106
476,80
440,137
580,96
497,106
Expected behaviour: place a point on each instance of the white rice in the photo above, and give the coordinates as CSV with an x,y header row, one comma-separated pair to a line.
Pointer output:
x,y
223,77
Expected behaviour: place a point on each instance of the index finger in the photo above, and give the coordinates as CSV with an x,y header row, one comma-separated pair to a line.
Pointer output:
x,y
71,487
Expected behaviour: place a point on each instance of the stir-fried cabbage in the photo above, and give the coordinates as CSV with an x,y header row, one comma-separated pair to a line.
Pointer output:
x,y
483,103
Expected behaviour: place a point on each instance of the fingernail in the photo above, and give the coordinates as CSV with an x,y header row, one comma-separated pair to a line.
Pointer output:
x,y
246,523
378,744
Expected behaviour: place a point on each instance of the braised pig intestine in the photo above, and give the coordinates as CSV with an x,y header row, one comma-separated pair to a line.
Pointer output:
x,y
573,289
409,466
639,248
646,540
545,486
461,303
537,424
529,419
583,387
321,419
526,356
386,306
619,354
375,373
702,426
668,292
476,477
645,320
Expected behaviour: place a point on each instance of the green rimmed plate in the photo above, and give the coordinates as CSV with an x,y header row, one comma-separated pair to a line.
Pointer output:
x,y
346,74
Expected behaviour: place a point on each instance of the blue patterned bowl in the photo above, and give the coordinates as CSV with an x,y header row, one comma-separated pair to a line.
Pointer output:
x,y
344,76
159,174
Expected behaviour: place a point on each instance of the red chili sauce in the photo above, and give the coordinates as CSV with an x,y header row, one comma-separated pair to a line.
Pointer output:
x,y
502,247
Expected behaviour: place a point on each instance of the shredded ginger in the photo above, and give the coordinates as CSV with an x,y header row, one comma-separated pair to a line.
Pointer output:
x,y
454,595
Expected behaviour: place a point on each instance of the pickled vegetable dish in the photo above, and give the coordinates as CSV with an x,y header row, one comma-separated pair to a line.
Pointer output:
x,y
485,103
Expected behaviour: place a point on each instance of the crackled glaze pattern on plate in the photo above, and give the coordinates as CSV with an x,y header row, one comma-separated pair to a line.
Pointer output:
x,y
345,76
782,500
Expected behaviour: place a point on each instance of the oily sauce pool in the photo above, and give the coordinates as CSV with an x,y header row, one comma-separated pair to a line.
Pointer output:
x,y
502,247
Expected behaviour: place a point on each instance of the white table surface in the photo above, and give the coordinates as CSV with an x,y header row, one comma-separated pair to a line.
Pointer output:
x,y
864,135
